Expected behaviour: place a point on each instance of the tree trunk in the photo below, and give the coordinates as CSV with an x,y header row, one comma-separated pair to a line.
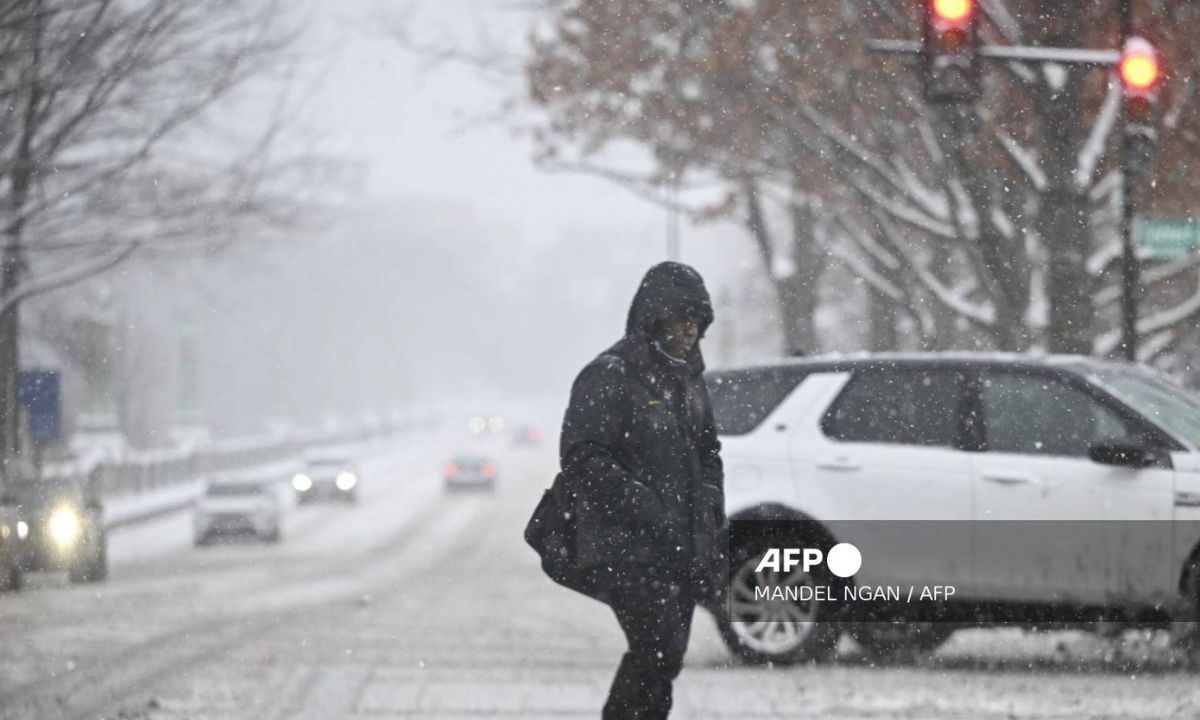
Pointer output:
x,y
1063,226
1062,220
885,336
796,294
10,411
21,176
799,294
798,308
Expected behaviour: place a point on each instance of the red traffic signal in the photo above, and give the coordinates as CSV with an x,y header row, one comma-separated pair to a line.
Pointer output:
x,y
1139,67
1141,75
950,45
953,11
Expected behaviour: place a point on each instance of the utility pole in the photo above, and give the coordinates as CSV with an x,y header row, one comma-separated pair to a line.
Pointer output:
x,y
1130,279
674,250
1129,266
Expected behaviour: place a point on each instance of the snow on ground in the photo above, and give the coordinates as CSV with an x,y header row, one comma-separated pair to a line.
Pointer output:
x,y
419,603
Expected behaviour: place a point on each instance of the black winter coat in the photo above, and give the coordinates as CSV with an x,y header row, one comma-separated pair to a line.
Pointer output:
x,y
640,447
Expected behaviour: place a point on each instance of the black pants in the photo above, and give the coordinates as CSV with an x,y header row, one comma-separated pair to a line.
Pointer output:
x,y
657,619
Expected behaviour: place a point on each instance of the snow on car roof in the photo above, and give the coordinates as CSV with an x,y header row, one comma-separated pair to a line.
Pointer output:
x,y
1074,362
329,453
270,473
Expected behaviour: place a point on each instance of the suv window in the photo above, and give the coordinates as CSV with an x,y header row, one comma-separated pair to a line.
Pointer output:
x,y
1040,415
742,399
904,406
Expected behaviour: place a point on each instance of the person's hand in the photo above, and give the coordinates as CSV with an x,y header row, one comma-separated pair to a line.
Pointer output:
x,y
644,505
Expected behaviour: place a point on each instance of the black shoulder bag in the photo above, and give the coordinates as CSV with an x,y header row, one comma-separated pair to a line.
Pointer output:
x,y
551,534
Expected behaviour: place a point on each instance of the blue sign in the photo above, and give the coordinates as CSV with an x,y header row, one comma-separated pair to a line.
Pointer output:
x,y
40,392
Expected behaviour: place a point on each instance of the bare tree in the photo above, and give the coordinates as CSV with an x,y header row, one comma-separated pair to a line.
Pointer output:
x,y
110,144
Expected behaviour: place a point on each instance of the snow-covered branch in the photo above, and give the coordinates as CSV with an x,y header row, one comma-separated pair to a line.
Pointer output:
x,y
1163,319
1092,150
980,314
904,213
1153,276
68,276
1024,158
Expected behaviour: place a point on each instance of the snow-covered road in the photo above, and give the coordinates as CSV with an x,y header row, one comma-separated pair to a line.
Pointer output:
x,y
418,603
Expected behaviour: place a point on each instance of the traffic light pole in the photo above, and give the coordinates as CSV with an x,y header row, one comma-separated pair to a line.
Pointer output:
x,y
1023,53
1130,272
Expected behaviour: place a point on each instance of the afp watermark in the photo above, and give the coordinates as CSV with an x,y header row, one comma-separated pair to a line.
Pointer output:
x,y
843,560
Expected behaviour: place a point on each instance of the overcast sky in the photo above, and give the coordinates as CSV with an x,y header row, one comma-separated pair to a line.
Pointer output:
x,y
463,269
408,122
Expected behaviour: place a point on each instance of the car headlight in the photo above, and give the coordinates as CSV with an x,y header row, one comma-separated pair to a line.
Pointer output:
x,y
22,529
345,481
302,482
64,526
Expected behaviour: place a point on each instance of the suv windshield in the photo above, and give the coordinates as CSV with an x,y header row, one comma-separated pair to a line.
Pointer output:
x,y
1169,405
742,399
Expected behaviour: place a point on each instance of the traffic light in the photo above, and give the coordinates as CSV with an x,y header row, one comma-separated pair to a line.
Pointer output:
x,y
1140,73
950,50
1141,78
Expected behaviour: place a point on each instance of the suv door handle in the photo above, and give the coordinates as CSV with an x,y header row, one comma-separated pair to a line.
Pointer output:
x,y
843,464
1011,479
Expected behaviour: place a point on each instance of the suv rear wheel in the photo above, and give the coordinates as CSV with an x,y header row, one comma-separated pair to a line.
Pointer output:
x,y
780,631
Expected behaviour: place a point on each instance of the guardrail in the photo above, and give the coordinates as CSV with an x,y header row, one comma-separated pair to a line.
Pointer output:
x,y
149,471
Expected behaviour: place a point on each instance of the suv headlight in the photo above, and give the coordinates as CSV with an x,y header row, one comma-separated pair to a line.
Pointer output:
x,y
302,482
345,481
64,525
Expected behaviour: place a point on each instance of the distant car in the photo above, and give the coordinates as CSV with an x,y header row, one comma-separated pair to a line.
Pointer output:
x,y
469,472
528,436
63,527
12,535
238,506
327,474
487,424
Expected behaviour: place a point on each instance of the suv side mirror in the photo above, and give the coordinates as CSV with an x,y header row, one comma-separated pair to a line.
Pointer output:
x,y
1123,453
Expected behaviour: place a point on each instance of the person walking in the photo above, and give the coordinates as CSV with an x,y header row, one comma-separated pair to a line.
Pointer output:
x,y
641,449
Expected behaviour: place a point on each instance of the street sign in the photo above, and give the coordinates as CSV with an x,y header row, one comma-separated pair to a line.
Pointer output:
x,y
39,392
1168,239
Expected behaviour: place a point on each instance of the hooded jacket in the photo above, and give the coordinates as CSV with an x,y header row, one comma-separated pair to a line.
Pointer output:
x,y
640,446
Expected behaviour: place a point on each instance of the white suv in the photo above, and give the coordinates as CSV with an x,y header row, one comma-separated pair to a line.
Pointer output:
x,y
981,451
